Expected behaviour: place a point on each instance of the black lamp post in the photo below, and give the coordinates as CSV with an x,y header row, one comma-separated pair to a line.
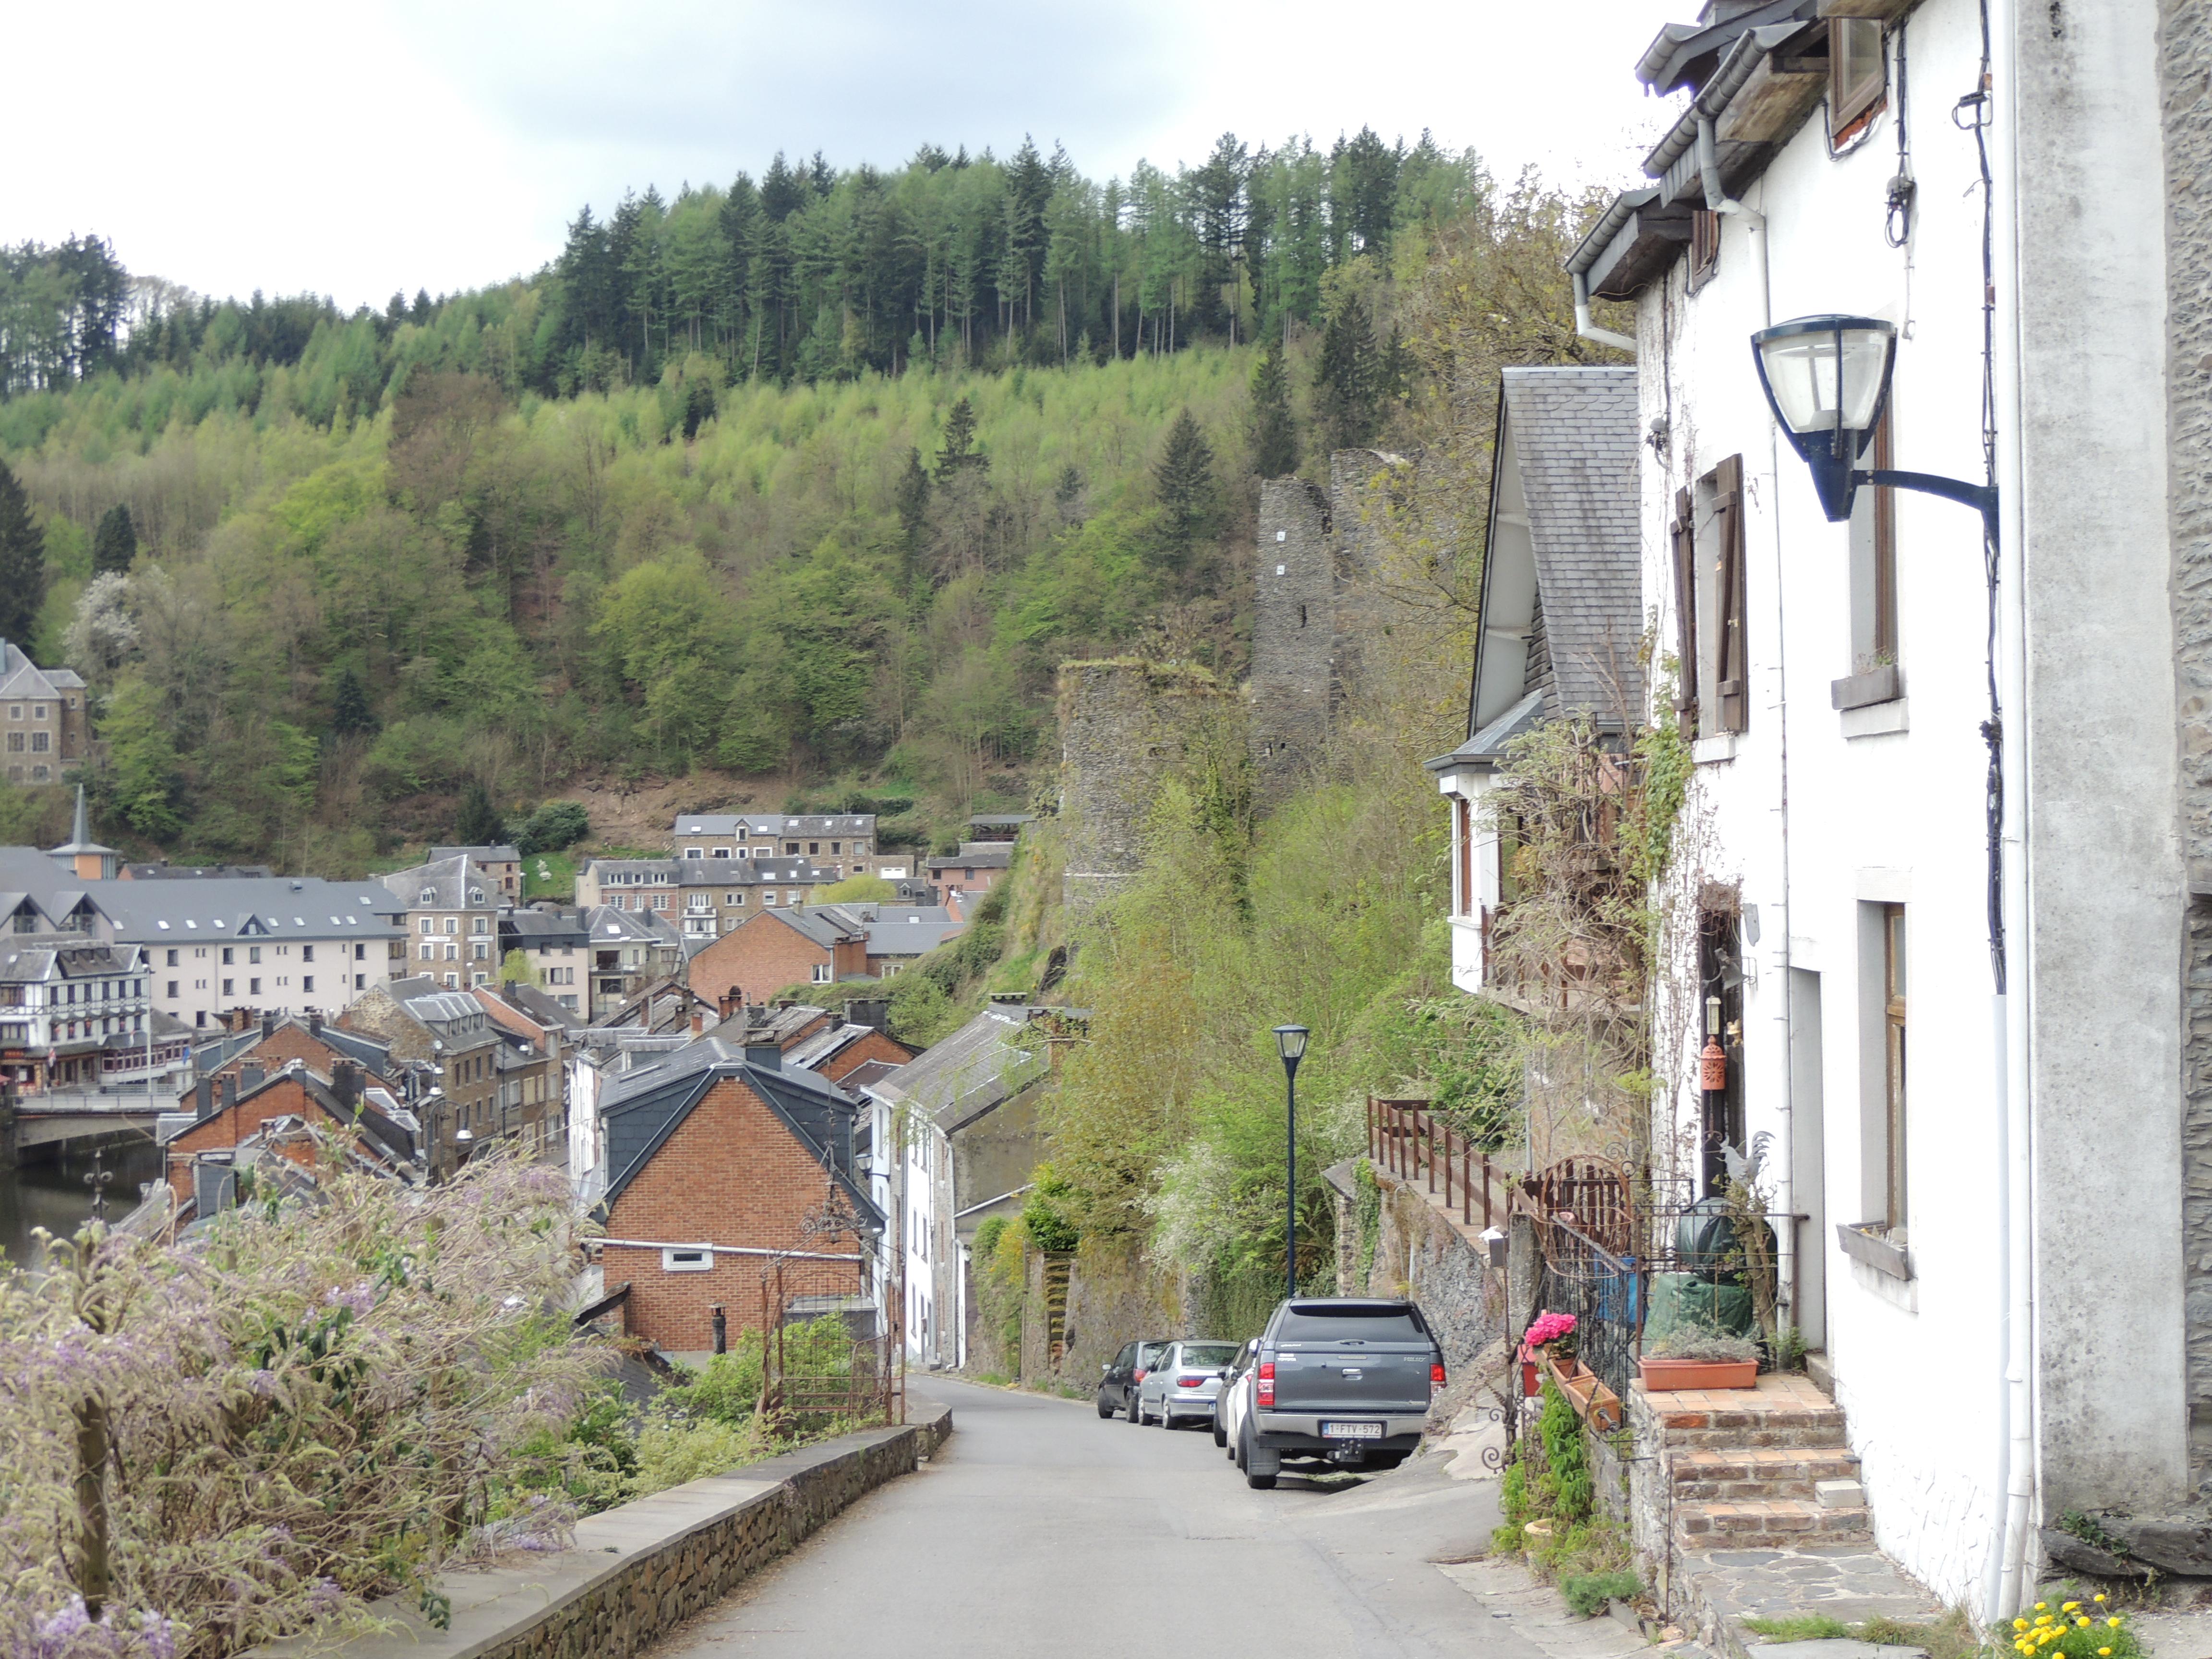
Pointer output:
x,y
1291,1044
1826,379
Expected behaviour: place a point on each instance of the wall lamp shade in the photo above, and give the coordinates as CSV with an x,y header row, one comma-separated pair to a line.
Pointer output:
x,y
1291,1044
1826,379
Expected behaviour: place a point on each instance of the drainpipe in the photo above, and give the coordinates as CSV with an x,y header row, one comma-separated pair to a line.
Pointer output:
x,y
1717,200
2012,1007
1589,330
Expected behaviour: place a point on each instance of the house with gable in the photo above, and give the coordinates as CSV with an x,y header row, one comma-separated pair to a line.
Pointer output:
x,y
1559,626
46,725
234,1113
727,1172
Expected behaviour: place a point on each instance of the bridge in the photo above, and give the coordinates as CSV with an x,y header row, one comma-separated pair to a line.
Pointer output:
x,y
82,1118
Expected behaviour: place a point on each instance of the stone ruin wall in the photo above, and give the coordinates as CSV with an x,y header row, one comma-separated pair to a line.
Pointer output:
x,y
1124,724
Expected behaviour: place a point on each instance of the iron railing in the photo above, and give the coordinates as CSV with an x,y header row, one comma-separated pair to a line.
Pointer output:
x,y
1408,1140
1605,1292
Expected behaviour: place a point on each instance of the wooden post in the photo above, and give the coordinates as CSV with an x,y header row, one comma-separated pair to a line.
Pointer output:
x,y
1429,1145
1448,1168
1466,1181
1485,1192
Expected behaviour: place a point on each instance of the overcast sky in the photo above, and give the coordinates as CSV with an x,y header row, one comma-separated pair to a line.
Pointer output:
x,y
444,143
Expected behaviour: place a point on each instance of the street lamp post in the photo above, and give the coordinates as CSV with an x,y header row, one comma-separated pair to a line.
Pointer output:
x,y
1291,1044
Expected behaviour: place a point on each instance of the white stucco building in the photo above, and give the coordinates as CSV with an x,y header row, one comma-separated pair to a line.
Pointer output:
x,y
2012,1208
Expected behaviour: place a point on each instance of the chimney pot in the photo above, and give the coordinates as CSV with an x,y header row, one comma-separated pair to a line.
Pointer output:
x,y
228,1085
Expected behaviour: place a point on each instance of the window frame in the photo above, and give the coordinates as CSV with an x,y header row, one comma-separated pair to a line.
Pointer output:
x,y
1850,105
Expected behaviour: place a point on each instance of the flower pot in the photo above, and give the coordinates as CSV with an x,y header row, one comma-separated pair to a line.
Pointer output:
x,y
1531,1384
1671,1376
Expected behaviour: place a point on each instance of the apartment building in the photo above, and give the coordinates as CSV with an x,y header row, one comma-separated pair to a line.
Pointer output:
x,y
45,724
452,909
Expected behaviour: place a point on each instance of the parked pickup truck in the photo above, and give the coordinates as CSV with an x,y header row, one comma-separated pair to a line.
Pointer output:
x,y
1348,1380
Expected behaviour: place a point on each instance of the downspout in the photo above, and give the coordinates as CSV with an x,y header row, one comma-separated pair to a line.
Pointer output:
x,y
1589,330
2014,1004
1717,200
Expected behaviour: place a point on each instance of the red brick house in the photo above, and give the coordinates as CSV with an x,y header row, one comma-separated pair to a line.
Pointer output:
x,y
721,1163
773,949
974,870
230,1117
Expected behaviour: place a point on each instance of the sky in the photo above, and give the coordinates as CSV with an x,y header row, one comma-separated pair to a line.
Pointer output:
x,y
444,144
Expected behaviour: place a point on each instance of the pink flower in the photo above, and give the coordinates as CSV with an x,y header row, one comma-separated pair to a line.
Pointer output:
x,y
1550,1327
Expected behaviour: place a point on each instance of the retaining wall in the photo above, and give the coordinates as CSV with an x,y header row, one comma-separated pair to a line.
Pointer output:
x,y
636,1571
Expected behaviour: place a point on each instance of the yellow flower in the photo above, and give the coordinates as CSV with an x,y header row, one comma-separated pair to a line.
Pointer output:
x,y
2020,1624
2100,1598
2083,1623
2104,1653
2114,1622
2068,1606
2040,1606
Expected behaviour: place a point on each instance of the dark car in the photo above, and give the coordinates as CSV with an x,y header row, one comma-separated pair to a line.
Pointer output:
x,y
1347,1379
1117,1387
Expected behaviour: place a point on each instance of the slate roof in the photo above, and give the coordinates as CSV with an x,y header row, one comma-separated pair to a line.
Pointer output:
x,y
974,1071
164,871
982,855
543,1008
778,871
452,884
21,678
537,930
1487,746
818,1115
612,926
1573,431
171,912
901,930
776,823
481,854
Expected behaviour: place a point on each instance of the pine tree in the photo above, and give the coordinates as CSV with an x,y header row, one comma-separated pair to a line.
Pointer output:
x,y
115,544
1274,433
479,824
1182,478
349,709
22,563
958,450
912,498
1347,406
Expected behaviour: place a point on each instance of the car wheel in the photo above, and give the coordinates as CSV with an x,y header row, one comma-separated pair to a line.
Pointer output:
x,y
1167,1417
1136,1409
1104,1408
1252,1477
1220,1434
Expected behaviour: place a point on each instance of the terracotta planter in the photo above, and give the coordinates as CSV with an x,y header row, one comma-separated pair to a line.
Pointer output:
x,y
1669,1376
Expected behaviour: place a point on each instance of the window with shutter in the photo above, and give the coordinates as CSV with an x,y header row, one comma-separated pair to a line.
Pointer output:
x,y
1732,668
1686,615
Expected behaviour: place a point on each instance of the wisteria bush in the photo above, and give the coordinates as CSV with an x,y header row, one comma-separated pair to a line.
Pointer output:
x,y
303,1406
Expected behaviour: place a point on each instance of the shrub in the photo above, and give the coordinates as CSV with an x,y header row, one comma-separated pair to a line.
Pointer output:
x,y
1695,1340
553,828
1588,1593
2076,1629
1045,1217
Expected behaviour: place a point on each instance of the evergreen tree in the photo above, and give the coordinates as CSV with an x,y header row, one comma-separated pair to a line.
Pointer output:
x,y
1274,433
479,824
115,544
912,500
958,450
1183,479
22,563
1347,376
349,709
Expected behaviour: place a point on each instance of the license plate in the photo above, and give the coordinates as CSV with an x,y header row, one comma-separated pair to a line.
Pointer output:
x,y
1352,1430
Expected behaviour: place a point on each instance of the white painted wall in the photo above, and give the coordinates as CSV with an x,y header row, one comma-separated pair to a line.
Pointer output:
x,y
1888,805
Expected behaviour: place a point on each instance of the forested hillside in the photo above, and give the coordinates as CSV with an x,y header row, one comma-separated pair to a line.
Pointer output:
x,y
803,486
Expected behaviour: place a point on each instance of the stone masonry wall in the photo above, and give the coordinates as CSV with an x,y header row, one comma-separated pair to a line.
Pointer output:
x,y
1419,1253
1124,725
1294,633
2186,69
638,1570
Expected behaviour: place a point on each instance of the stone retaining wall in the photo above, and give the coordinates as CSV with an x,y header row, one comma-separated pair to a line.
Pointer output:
x,y
636,1571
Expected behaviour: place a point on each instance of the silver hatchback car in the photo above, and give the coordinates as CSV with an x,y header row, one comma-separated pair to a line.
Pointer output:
x,y
1181,1385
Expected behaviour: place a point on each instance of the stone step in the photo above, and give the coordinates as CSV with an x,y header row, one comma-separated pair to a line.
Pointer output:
x,y
1767,1523
1736,1419
1733,1471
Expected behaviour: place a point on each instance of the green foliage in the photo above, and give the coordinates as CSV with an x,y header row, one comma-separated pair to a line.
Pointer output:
x,y
1045,1215
115,544
144,770
858,889
516,967
1801,1628
1368,1213
553,828
1273,430
1566,1482
988,1234
22,563
1182,481
350,714
479,824
1589,1593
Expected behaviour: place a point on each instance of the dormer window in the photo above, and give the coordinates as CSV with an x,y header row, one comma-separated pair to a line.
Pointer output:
x,y
429,896
476,896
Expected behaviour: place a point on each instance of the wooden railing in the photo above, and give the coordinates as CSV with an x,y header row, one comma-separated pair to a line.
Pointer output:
x,y
1406,1139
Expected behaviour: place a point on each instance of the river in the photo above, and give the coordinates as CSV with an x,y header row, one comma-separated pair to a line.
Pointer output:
x,y
54,1195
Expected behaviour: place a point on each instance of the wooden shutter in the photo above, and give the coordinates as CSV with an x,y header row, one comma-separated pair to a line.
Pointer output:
x,y
1686,615
1732,670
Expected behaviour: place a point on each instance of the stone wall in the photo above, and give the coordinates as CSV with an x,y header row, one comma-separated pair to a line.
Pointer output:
x,y
1294,633
1124,725
1114,1296
2186,66
1419,1253
636,1571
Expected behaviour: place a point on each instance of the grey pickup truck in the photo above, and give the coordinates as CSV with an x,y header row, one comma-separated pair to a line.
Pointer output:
x,y
1348,1380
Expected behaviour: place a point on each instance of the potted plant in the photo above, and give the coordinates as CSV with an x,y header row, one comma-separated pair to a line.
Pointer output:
x,y
1694,1356
1551,1334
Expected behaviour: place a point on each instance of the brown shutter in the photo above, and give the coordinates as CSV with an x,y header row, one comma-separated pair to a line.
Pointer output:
x,y
1732,666
1686,614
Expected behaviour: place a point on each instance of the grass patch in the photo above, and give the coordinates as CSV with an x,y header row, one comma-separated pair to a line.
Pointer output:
x,y
1951,1637
1805,1627
558,881
1589,1593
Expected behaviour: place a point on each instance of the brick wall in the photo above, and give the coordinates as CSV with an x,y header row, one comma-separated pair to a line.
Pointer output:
x,y
860,1051
730,1174
757,959
283,1098
287,1043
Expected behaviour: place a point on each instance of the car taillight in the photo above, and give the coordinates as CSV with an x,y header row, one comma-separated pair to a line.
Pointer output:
x,y
1435,1380
1264,1385
1189,1382
1140,1373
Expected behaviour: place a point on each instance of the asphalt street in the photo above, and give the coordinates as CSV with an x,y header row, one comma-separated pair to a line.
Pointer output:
x,y
1039,1528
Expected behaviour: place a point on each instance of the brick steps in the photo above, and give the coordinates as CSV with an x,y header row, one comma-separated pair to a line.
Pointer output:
x,y
1767,1523
1728,1475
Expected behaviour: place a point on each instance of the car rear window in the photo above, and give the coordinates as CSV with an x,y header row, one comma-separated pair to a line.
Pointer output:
x,y
1209,1353
1343,1324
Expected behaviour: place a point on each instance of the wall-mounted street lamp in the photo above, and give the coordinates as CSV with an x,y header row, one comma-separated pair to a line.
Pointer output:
x,y
1826,379
1291,1044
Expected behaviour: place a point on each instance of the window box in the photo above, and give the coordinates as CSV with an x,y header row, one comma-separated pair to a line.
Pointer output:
x,y
1885,682
1864,1243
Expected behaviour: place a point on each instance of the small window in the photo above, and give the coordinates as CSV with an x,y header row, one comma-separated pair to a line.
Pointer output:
x,y
306,982
1858,74
171,961
1704,247
697,1260
821,973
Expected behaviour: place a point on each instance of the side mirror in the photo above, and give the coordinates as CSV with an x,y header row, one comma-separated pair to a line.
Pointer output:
x,y
1105,1368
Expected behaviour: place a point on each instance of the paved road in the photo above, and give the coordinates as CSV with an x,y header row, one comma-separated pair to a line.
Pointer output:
x,y
1039,1529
